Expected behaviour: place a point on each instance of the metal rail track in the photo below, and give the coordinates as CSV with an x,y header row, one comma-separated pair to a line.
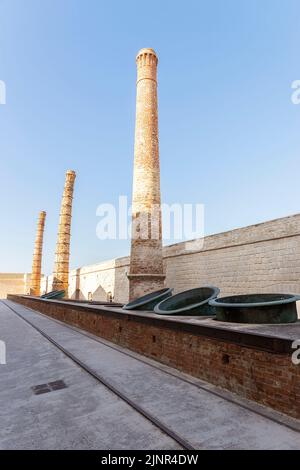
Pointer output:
x,y
186,445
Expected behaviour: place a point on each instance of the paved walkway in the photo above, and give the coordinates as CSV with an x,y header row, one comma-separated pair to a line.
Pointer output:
x,y
86,415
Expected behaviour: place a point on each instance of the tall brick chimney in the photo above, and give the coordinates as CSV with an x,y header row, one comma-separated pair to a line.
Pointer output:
x,y
35,282
62,254
146,272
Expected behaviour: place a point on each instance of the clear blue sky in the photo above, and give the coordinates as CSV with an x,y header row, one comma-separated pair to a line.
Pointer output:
x,y
229,134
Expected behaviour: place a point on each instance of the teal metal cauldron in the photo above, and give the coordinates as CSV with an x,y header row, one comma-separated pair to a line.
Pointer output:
x,y
257,308
148,301
190,302
54,294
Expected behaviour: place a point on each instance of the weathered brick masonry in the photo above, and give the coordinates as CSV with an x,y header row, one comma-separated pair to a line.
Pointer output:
x,y
62,253
146,261
254,366
36,273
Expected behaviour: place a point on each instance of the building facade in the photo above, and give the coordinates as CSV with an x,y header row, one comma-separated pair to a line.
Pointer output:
x,y
259,258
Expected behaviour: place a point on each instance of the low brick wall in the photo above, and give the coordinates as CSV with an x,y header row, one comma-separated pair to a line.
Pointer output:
x,y
253,366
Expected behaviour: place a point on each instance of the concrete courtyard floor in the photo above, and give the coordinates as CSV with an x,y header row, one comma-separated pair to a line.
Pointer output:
x,y
87,415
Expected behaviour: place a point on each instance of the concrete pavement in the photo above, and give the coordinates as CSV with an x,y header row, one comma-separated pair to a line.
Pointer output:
x,y
87,415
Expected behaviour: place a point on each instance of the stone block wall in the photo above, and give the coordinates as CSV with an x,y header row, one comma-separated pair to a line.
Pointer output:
x,y
103,281
260,258
14,283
